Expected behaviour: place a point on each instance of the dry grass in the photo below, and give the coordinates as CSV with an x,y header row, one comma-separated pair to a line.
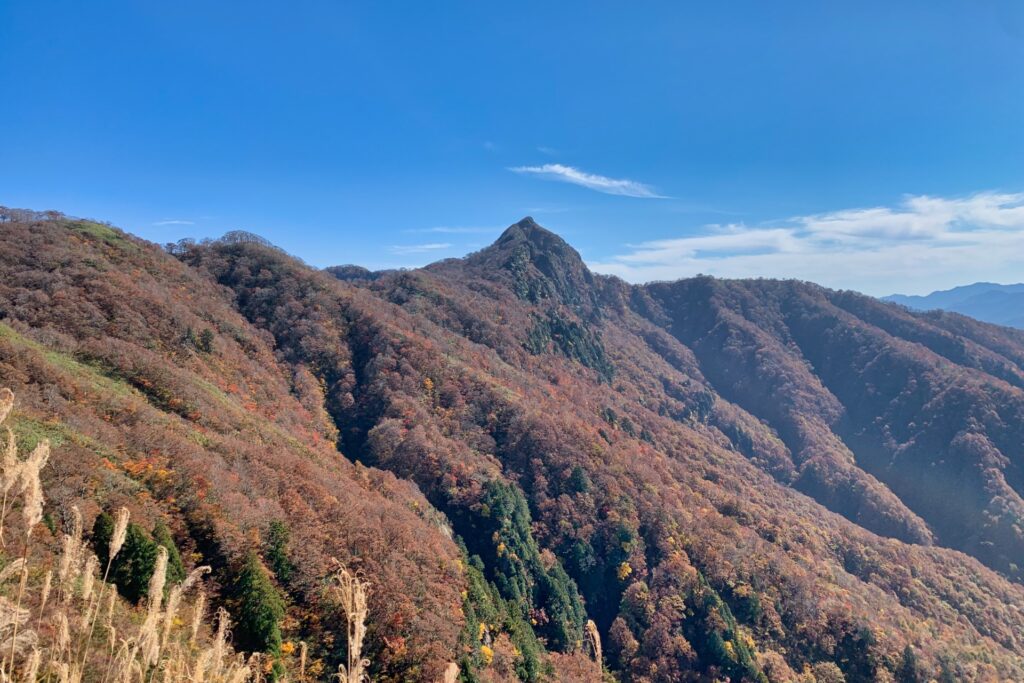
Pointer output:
x,y
592,642
64,626
67,624
350,591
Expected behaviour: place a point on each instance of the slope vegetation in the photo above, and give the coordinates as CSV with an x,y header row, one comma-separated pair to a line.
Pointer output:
x,y
740,480
656,479
157,395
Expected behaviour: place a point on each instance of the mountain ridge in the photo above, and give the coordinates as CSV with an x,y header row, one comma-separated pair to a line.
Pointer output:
x,y
666,460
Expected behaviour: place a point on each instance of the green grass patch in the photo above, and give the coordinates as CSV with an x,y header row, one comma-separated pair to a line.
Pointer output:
x,y
84,372
103,233
98,230
28,432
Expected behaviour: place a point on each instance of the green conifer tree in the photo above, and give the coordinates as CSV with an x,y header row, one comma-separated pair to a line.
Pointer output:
x,y
278,537
260,608
175,567
134,564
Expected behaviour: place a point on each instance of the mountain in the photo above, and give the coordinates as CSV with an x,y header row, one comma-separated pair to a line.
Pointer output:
x,y
987,301
746,480
158,395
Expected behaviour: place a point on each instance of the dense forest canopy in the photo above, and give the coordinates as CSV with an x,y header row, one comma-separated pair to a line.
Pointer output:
x,y
545,474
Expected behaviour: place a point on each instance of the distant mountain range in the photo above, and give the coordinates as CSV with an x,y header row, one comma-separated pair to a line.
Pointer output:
x,y
986,301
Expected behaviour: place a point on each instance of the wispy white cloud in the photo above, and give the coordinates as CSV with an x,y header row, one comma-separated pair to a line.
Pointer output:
x,y
405,249
922,244
591,181
174,221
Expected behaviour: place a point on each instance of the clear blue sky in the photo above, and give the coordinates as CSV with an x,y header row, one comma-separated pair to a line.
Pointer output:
x,y
873,145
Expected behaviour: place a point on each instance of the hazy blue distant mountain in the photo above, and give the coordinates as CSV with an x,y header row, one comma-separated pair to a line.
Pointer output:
x,y
987,301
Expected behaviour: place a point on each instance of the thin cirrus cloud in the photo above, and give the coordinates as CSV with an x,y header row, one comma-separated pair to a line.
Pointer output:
x,y
922,244
406,249
591,181
174,221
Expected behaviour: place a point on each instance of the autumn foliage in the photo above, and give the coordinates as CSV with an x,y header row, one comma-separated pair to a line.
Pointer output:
x,y
748,481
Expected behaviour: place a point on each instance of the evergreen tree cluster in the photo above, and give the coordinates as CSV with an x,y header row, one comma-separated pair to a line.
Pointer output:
x,y
547,595
133,567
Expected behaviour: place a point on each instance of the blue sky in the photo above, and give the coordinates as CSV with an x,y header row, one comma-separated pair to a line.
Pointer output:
x,y
873,145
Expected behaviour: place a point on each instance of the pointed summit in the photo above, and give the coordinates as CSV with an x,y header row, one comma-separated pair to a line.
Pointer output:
x,y
542,264
528,231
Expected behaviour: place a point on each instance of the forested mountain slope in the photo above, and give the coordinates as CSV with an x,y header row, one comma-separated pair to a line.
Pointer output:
x,y
742,480
156,394
862,392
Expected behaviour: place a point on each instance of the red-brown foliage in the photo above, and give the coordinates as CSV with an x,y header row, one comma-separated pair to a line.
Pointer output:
x,y
663,436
